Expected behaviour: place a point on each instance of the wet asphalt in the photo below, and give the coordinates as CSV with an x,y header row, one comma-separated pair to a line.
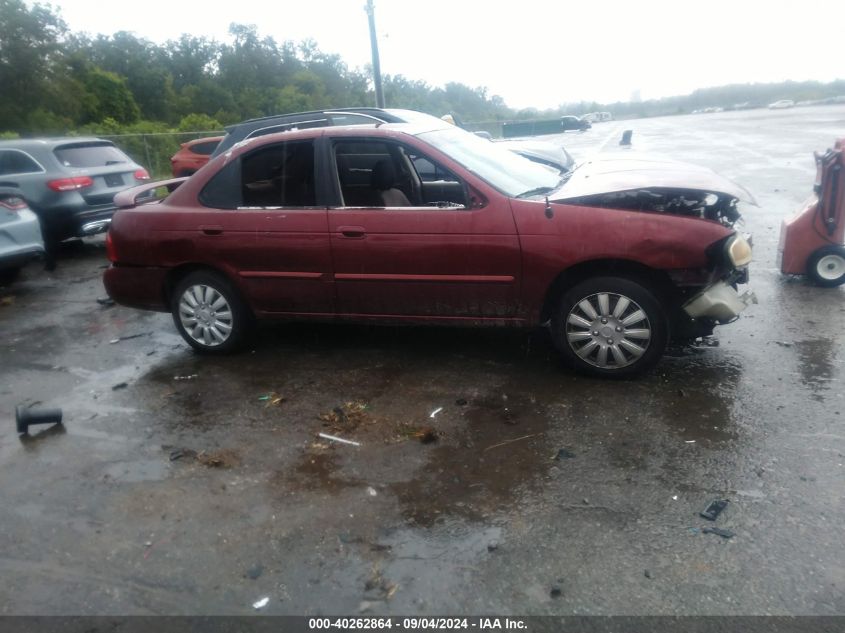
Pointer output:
x,y
181,484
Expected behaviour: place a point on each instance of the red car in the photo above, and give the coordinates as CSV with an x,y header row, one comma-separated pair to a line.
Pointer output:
x,y
414,223
193,155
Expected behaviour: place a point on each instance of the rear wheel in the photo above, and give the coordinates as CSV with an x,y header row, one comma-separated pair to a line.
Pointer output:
x,y
209,313
610,326
826,266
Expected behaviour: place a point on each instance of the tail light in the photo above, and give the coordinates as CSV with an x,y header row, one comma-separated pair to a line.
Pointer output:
x,y
141,174
13,204
70,184
111,253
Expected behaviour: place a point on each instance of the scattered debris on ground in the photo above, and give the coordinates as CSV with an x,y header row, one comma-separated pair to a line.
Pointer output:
x,y
378,586
260,604
718,532
129,337
120,385
272,399
461,402
8,300
254,572
516,439
714,509
556,592
347,417
435,412
783,343
563,454
106,301
223,458
188,377
333,438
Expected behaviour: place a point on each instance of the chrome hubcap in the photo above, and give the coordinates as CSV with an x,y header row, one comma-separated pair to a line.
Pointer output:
x,y
206,315
831,267
608,330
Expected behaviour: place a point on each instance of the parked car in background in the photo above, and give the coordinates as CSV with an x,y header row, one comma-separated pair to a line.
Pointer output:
x,y
574,123
69,183
338,224
321,118
193,155
548,154
782,104
20,234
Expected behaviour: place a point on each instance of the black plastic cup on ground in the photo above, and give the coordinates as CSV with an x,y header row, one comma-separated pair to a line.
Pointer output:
x,y
29,417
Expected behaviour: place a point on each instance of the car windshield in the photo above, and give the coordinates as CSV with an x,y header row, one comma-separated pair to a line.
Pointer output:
x,y
511,174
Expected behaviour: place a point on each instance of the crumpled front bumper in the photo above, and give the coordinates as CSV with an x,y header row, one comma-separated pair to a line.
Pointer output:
x,y
719,301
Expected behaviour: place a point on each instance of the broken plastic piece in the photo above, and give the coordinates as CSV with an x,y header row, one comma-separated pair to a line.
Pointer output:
x,y
27,417
714,509
326,436
260,604
564,454
436,411
718,532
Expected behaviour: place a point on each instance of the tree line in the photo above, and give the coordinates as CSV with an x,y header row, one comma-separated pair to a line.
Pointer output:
x,y
54,81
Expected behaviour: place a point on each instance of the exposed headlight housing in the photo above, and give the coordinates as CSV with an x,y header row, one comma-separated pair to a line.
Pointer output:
x,y
738,251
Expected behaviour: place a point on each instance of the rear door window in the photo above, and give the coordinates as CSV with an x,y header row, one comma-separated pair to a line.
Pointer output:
x,y
82,155
17,162
279,175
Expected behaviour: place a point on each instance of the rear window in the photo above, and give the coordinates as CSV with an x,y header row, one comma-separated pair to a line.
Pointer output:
x,y
89,155
204,148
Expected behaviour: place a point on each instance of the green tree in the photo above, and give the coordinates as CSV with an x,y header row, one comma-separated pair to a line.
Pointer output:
x,y
30,58
111,98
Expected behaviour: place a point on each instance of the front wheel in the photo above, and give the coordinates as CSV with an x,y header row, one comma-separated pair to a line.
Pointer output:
x,y
610,327
826,266
209,313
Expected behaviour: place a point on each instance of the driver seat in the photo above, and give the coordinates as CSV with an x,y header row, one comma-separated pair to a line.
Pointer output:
x,y
383,181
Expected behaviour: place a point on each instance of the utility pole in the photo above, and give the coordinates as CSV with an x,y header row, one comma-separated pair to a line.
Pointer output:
x,y
374,45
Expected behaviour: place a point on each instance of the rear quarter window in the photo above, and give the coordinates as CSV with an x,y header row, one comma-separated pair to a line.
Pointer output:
x,y
17,162
89,155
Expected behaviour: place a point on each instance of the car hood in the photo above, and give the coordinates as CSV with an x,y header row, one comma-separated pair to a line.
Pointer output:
x,y
622,173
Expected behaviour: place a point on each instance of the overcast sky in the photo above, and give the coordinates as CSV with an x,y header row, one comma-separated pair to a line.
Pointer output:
x,y
533,53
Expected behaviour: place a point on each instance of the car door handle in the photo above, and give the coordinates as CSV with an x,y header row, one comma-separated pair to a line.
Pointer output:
x,y
212,230
352,232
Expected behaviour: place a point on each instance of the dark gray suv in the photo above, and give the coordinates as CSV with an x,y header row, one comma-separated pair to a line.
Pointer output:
x,y
70,183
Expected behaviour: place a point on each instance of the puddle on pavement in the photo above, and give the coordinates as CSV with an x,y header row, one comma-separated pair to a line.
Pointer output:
x,y
137,471
496,460
316,471
816,365
700,400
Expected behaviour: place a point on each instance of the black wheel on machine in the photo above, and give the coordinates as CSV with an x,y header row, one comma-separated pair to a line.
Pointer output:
x,y
610,326
826,266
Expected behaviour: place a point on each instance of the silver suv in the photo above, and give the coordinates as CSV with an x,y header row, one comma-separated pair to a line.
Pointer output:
x,y
70,183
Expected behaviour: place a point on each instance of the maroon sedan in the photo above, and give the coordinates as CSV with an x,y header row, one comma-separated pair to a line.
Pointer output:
x,y
432,225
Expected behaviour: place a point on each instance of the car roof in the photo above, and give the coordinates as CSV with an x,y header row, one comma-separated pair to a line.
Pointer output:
x,y
379,113
385,130
40,143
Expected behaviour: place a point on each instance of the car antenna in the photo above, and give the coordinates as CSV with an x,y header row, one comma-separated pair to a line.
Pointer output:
x,y
549,212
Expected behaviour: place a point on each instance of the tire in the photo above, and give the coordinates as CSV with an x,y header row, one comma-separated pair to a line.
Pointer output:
x,y
826,266
210,314
592,316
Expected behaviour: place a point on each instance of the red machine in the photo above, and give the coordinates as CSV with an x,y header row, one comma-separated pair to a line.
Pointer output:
x,y
811,242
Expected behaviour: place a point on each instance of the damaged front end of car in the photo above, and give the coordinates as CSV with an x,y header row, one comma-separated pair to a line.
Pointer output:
x,y
707,296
